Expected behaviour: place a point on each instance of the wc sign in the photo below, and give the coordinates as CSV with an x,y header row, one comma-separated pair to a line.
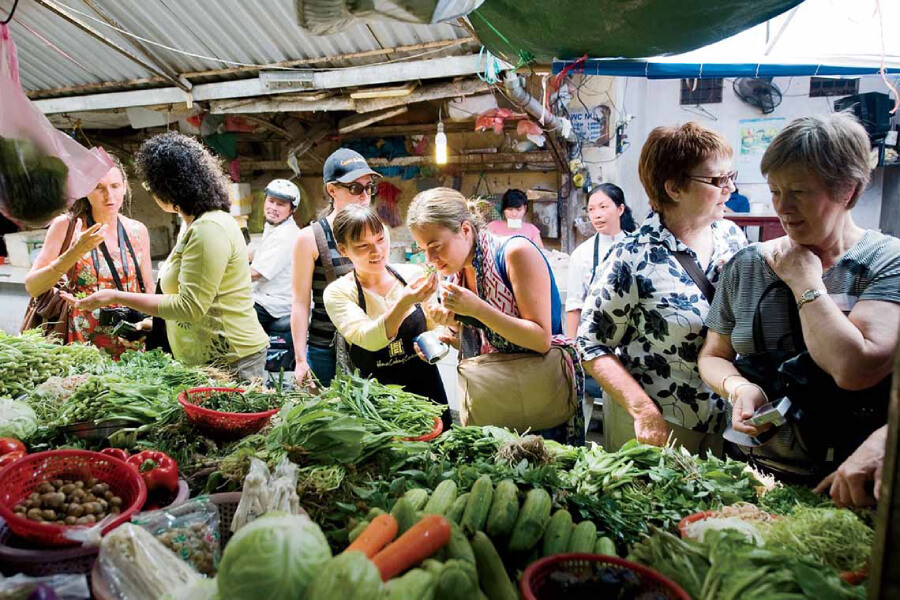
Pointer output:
x,y
589,126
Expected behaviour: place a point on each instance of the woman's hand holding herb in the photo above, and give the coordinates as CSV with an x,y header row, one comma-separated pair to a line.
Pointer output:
x,y
420,290
462,301
96,300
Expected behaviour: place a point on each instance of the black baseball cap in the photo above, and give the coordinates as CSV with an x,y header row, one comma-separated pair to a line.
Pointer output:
x,y
346,165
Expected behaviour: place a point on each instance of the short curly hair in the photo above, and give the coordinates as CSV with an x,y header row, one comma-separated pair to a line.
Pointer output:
x,y
670,153
180,171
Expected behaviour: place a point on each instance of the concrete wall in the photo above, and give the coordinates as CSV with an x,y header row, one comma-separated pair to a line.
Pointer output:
x,y
656,102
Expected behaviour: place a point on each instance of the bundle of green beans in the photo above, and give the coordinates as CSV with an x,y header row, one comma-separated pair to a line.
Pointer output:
x,y
30,359
598,470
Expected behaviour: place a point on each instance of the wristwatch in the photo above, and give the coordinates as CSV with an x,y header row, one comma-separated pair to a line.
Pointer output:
x,y
808,296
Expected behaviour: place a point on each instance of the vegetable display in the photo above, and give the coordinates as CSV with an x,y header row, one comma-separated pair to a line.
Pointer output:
x,y
158,470
30,359
17,419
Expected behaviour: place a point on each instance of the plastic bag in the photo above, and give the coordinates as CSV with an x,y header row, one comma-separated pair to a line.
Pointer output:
x,y
190,530
42,170
66,587
254,496
283,488
134,565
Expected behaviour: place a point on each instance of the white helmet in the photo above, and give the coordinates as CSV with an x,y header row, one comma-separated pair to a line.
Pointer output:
x,y
284,190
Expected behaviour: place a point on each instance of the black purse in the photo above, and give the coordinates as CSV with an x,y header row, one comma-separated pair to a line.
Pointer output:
x,y
829,422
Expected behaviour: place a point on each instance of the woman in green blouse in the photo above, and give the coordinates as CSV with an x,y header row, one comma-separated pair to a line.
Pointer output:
x,y
206,300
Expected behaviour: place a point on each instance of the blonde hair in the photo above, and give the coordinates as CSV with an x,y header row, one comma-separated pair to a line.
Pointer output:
x,y
442,207
835,148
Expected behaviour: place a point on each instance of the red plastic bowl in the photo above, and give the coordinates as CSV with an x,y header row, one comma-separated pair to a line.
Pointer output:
x,y
221,424
438,429
19,479
583,565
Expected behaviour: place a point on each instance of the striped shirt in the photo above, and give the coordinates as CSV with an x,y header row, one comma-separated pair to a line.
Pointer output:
x,y
870,270
321,329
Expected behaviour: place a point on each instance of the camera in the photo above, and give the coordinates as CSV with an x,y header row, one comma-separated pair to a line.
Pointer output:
x,y
110,317
122,320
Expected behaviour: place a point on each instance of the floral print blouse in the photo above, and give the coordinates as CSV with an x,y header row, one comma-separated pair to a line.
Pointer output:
x,y
645,308
84,326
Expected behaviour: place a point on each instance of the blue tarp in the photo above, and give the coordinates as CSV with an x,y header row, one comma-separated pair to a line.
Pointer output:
x,y
666,70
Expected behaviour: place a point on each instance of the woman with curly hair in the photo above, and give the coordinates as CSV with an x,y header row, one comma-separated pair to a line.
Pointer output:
x,y
206,299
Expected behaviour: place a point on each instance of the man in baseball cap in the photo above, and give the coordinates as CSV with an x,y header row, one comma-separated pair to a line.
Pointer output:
x,y
270,269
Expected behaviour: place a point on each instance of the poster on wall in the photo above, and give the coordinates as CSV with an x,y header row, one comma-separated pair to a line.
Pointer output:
x,y
755,136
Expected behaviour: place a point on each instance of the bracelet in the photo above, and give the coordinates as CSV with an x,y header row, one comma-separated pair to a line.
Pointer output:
x,y
746,383
725,379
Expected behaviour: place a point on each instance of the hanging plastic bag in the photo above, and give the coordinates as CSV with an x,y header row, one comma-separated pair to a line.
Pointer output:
x,y
190,530
42,170
254,496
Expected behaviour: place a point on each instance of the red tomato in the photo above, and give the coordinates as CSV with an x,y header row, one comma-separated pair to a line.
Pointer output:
x,y
8,445
11,457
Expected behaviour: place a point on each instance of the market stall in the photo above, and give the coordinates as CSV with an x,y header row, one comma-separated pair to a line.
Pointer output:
x,y
356,492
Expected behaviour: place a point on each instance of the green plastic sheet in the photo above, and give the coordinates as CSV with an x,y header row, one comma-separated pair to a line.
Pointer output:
x,y
541,30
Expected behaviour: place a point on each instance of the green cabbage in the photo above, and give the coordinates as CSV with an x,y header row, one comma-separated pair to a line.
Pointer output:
x,y
275,557
348,576
17,420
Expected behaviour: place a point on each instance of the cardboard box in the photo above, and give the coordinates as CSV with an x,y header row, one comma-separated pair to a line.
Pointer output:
x,y
23,247
241,199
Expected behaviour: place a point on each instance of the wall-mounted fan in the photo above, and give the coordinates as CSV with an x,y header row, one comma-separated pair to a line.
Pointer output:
x,y
761,93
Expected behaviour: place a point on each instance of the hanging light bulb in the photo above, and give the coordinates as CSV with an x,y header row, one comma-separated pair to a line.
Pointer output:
x,y
440,145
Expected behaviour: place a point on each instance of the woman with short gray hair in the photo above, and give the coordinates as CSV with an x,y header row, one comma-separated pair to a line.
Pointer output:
x,y
830,295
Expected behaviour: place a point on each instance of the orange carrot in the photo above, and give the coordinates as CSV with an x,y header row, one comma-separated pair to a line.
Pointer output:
x,y
378,534
418,543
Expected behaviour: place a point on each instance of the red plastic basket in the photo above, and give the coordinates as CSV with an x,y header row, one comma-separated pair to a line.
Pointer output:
x,y
221,424
19,479
438,429
583,565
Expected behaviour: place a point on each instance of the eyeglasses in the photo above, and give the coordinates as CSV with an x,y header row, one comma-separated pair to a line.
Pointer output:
x,y
719,182
357,189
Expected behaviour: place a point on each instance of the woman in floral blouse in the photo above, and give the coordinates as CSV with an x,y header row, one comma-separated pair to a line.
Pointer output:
x,y
643,322
107,250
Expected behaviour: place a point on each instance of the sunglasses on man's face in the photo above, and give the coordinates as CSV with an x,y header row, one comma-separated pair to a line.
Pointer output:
x,y
357,189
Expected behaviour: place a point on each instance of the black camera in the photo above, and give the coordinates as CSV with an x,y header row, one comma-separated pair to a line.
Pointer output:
x,y
110,317
122,320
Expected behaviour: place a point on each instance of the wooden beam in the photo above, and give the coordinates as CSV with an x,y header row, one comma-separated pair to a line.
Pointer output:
x,y
423,129
292,103
436,68
150,66
354,122
389,91
266,124
466,159
439,91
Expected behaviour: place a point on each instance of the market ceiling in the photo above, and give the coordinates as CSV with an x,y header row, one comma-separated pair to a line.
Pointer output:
x,y
117,53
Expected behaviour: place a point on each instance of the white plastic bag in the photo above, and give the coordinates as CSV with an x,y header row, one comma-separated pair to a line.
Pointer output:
x,y
42,170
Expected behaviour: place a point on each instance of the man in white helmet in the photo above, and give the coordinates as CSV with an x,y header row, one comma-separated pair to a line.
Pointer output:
x,y
270,269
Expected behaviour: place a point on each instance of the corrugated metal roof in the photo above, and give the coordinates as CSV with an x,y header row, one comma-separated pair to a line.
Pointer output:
x,y
244,31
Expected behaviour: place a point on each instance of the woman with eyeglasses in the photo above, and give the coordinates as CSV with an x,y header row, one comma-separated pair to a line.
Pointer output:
x,y
813,315
318,262
644,318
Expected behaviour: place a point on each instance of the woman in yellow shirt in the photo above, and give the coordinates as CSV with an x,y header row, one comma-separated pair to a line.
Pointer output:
x,y
206,299
377,311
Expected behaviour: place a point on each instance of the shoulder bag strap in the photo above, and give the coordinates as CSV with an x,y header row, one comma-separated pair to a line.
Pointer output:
x,y
696,274
123,235
70,233
596,256
324,251
113,271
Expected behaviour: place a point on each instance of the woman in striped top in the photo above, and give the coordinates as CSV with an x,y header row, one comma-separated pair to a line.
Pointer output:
x,y
348,180
829,287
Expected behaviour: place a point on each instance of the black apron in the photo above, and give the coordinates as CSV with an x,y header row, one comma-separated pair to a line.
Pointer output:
x,y
397,363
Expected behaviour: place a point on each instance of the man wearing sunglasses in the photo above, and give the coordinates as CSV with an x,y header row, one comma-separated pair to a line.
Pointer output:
x,y
348,180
